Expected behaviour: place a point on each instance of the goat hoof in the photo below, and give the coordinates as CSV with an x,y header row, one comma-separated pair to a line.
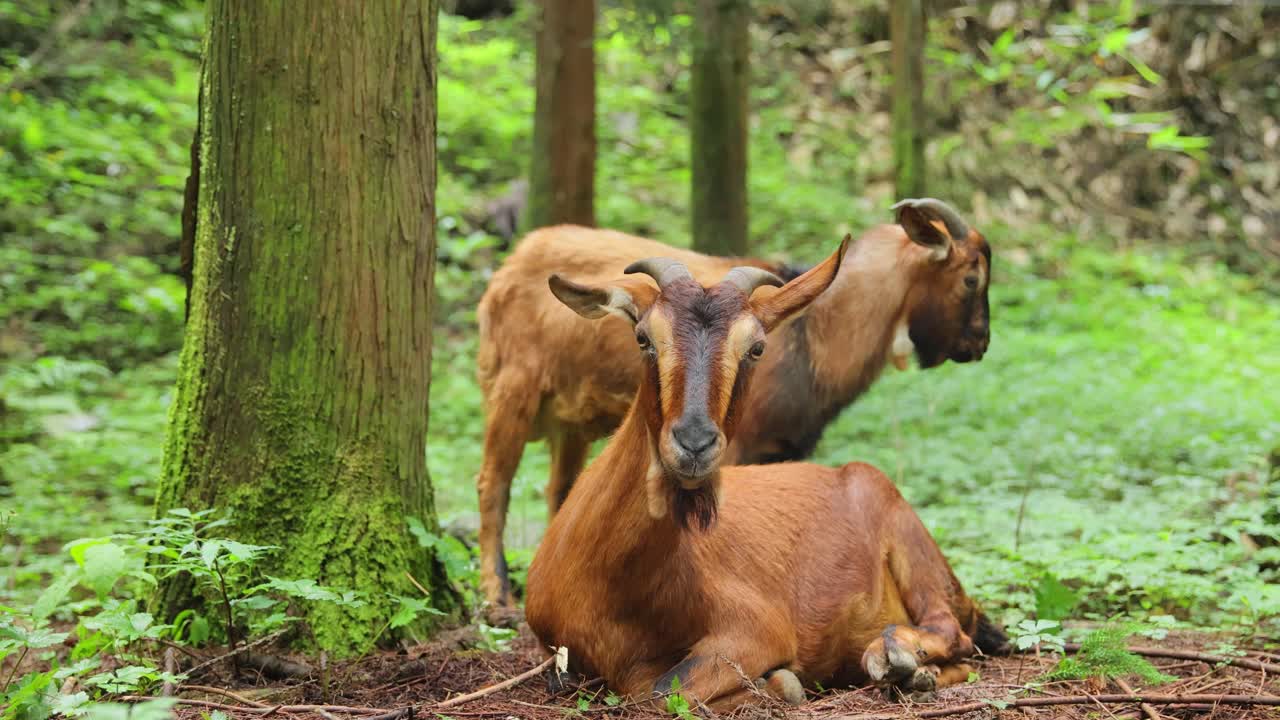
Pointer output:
x,y
922,696
898,693
557,682
785,686
887,662
925,679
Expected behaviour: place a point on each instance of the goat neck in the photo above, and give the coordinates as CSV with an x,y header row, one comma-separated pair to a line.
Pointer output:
x,y
859,325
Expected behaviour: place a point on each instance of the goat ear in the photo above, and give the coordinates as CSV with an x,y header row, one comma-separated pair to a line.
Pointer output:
x,y
925,227
796,295
628,299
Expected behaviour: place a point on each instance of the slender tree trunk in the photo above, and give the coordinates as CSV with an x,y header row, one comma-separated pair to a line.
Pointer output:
x,y
562,173
718,116
906,32
301,402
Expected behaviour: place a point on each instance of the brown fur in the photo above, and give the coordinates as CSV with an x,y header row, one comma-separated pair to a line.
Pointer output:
x,y
826,573
546,372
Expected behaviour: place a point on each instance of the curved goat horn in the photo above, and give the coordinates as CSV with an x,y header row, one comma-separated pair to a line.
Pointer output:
x,y
956,225
747,279
664,270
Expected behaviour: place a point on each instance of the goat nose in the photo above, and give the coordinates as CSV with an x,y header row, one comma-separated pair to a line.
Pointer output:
x,y
695,434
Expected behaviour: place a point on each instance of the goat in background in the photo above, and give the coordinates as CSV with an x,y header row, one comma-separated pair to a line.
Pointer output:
x,y
918,287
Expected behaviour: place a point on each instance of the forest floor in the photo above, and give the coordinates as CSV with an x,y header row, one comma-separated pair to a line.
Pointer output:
x,y
413,683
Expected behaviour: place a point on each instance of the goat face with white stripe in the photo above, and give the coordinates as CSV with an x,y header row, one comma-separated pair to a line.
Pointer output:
x,y
699,346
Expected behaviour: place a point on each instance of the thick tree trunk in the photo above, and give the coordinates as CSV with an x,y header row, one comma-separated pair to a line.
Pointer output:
x,y
562,173
718,116
906,32
301,402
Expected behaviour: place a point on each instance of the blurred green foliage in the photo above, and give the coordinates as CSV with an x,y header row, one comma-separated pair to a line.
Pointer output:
x,y
96,111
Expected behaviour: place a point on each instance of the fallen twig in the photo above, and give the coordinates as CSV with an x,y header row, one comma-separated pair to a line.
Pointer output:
x,y
417,584
277,668
1084,700
657,698
512,682
1146,708
1193,655
226,694
179,648
171,669
264,710
247,646
1102,705
405,712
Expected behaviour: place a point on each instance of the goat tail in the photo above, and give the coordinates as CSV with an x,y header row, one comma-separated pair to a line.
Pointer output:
x,y
989,637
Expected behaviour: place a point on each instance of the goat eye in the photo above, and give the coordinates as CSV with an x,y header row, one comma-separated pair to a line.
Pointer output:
x,y
643,340
971,281
756,351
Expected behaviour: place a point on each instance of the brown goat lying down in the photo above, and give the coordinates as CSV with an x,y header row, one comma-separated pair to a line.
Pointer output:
x,y
663,564
917,287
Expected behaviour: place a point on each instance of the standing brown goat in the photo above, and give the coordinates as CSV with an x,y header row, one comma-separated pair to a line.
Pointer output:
x,y
662,564
916,287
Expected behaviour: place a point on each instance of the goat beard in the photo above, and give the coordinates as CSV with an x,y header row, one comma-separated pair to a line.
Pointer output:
x,y
696,509
690,508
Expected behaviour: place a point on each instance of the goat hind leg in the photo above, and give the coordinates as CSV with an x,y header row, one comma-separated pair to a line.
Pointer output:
x,y
568,454
505,436
930,593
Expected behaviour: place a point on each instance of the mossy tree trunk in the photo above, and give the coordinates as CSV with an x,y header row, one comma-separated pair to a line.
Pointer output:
x,y
719,78
563,167
301,401
906,33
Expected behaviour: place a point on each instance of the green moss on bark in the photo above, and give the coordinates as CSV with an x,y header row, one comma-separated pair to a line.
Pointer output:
x,y
301,403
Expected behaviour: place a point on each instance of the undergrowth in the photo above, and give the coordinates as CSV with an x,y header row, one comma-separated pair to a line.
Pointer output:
x,y
1103,654
89,627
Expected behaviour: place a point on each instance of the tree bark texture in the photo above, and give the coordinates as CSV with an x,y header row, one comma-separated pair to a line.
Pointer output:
x,y
190,201
906,33
301,401
563,167
720,76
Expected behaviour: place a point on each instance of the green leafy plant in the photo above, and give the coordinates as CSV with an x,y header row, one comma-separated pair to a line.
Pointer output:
x,y
495,639
677,704
1037,634
112,571
1103,654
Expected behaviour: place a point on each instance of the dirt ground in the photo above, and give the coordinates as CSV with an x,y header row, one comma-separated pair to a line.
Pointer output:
x,y
408,684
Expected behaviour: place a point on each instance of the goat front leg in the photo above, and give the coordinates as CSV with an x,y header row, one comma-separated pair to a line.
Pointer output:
x,y
723,676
